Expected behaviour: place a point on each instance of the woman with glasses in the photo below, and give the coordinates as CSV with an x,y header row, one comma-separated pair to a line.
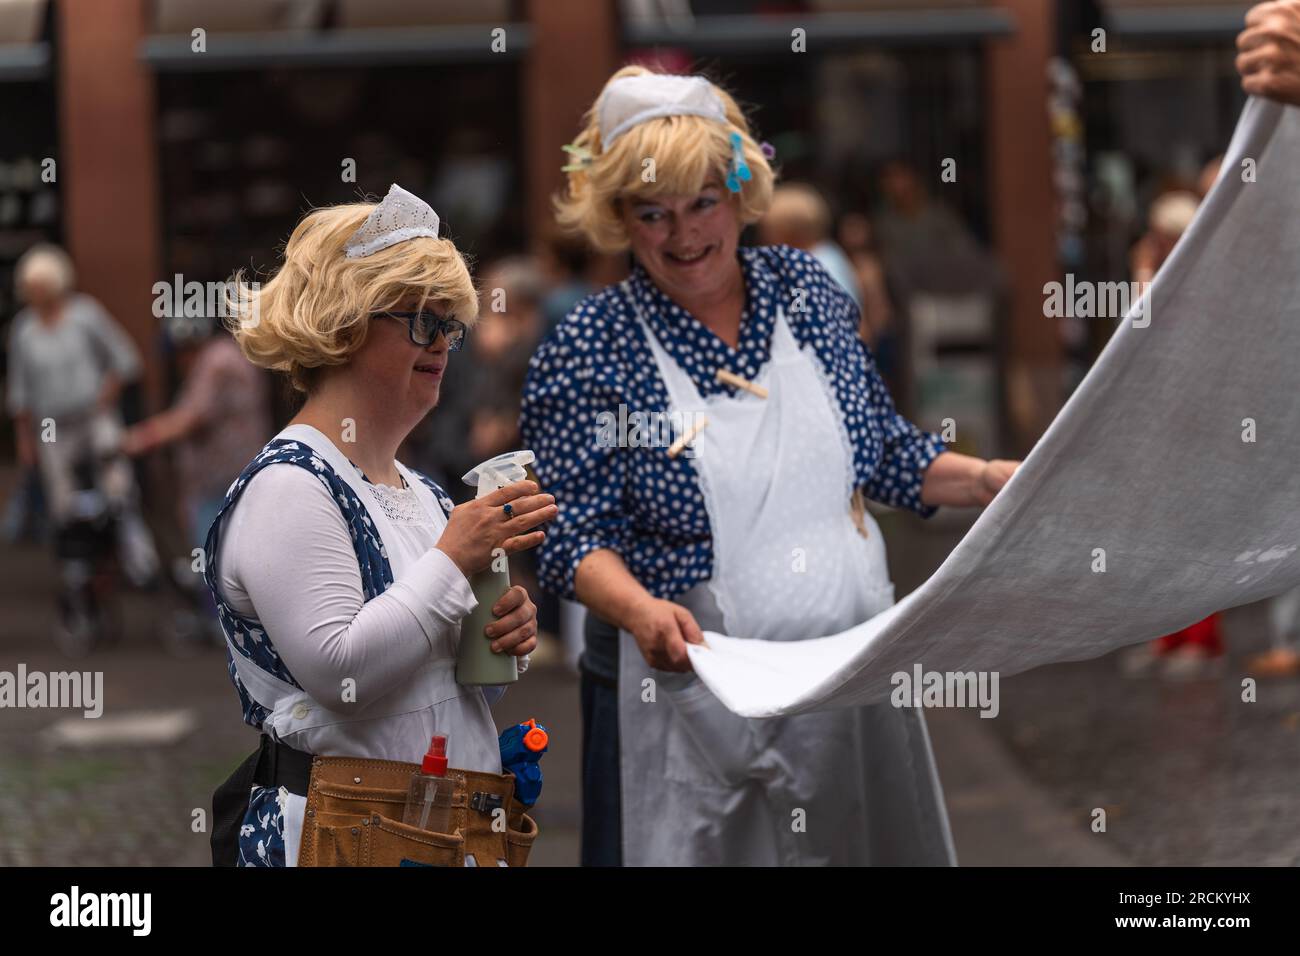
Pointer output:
x,y
340,575
747,520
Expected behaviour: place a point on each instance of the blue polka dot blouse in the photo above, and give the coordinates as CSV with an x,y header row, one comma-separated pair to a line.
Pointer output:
x,y
636,500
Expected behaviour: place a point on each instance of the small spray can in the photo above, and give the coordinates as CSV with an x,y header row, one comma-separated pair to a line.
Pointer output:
x,y
476,664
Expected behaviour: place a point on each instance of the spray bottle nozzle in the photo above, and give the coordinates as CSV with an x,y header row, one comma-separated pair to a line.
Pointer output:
x,y
499,471
435,761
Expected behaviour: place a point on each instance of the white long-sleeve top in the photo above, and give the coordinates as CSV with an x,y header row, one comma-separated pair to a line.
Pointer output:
x,y
312,604
286,559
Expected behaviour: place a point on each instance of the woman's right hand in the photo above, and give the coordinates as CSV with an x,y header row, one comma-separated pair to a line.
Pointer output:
x,y
662,630
477,528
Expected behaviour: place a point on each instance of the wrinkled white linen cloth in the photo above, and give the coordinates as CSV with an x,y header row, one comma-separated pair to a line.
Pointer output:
x,y
1148,472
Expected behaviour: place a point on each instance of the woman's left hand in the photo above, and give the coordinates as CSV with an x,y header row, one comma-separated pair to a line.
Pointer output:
x,y
991,478
515,629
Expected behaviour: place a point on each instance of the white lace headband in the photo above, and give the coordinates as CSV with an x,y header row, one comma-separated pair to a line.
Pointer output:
x,y
401,216
630,100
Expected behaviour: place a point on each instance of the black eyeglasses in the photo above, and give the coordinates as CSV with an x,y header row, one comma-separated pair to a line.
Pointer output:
x,y
424,327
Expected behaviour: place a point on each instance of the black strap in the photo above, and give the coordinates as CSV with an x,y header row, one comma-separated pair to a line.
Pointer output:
x,y
283,767
272,765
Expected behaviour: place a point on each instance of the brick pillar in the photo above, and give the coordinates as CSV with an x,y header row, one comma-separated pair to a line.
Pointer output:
x,y
1023,210
575,49
108,164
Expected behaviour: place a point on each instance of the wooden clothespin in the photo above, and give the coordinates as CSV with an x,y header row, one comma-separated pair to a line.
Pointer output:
x,y
688,436
736,381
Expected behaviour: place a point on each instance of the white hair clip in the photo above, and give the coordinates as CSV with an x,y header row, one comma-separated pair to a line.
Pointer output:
x,y
401,216
630,100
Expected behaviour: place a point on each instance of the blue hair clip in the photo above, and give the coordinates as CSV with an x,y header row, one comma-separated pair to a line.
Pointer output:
x,y
739,168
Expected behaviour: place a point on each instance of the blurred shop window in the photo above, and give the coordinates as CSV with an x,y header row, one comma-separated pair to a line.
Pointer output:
x,y
1162,100
871,130
20,21
359,95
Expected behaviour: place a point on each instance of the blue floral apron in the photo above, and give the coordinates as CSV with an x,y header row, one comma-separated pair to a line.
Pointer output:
x,y
261,836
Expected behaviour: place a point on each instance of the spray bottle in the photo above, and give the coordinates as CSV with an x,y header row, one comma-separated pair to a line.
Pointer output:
x,y
476,664
429,797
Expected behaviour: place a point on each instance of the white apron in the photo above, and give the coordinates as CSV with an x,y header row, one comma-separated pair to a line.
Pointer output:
x,y
703,786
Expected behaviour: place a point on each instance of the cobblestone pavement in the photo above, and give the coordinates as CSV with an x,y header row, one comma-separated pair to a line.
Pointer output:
x,y
134,804
1187,773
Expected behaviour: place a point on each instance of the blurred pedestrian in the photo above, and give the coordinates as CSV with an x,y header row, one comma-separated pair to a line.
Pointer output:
x,y
925,245
565,261
1171,213
1282,659
68,362
478,416
219,421
799,217
858,242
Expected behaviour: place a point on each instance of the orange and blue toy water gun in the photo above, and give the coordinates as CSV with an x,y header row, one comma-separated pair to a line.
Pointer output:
x,y
522,747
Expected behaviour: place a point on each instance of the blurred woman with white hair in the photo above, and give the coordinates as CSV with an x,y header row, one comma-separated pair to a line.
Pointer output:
x,y
68,361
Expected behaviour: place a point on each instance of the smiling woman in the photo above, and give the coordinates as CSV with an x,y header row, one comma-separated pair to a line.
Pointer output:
x,y
761,344
339,574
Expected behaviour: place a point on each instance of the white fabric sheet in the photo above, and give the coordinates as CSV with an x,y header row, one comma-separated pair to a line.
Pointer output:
x,y
1146,461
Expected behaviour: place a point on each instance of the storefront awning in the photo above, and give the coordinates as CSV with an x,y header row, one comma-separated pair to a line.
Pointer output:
x,y
1185,19
251,34
920,23
369,47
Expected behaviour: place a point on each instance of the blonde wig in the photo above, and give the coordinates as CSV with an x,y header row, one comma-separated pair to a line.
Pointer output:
x,y
316,309
686,152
